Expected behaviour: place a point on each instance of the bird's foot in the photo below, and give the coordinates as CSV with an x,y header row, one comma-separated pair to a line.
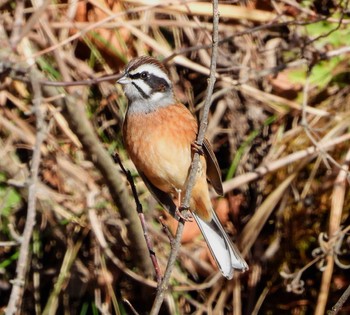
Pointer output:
x,y
181,214
197,148
179,209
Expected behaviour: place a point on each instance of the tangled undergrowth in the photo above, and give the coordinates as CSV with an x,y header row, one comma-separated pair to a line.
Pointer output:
x,y
279,125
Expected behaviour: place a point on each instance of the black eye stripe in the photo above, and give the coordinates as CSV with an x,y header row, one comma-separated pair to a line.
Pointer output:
x,y
152,80
143,75
157,84
134,76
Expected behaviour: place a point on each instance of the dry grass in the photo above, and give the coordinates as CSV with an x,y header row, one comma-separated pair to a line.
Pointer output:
x,y
279,124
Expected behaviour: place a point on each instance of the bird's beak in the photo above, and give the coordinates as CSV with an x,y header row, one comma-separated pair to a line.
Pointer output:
x,y
124,79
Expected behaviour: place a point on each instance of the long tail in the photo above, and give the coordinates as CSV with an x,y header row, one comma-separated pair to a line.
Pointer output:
x,y
226,254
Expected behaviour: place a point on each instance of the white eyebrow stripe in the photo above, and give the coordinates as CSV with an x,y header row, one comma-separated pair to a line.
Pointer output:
x,y
150,68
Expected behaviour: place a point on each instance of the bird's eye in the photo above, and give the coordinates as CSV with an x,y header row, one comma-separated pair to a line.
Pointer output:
x,y
144,75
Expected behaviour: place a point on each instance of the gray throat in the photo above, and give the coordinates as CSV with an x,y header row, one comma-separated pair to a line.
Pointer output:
x,y
146,106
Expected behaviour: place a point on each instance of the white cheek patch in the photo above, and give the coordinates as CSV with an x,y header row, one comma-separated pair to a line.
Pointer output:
x,y
143,86
134,91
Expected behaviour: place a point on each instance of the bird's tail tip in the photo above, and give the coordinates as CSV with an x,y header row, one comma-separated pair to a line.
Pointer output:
x,y
225,253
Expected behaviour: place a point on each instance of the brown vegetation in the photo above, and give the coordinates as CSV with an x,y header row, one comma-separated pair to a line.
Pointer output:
x,y
70,237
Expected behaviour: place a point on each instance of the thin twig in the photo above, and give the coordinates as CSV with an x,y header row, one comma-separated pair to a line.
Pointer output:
x,y
142,218
337,307
166,230
22,264
127,302
194,166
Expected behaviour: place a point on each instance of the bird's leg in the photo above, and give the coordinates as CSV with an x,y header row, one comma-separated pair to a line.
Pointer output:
x,y
179,209
197,148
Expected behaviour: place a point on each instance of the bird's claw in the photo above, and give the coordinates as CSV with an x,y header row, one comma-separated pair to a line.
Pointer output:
x,y
187,217
197,148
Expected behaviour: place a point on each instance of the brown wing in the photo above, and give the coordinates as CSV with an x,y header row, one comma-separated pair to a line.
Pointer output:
x,y
213,170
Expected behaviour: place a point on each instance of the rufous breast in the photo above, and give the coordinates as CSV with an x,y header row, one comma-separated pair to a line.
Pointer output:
x,y
159,144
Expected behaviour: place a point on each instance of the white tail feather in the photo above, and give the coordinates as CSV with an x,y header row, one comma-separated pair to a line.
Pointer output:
x,y
223,250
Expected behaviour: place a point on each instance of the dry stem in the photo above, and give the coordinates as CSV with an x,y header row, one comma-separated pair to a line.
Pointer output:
x,y
193,171
15,300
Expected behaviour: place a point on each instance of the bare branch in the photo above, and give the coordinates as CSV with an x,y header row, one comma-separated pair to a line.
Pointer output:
x,y
193,171
337,307
142,219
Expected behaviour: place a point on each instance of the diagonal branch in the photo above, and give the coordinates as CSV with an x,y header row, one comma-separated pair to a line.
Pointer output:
x,y
194,166
141,217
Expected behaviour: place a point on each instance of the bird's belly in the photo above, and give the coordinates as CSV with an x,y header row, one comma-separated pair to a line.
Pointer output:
x,y
166,165
162,151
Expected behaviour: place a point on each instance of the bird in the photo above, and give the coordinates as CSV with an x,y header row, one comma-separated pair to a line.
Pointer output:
x,y
159,134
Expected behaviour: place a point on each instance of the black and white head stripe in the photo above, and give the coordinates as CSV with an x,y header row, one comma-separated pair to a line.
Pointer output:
x,y
148,76
146,85
149,72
